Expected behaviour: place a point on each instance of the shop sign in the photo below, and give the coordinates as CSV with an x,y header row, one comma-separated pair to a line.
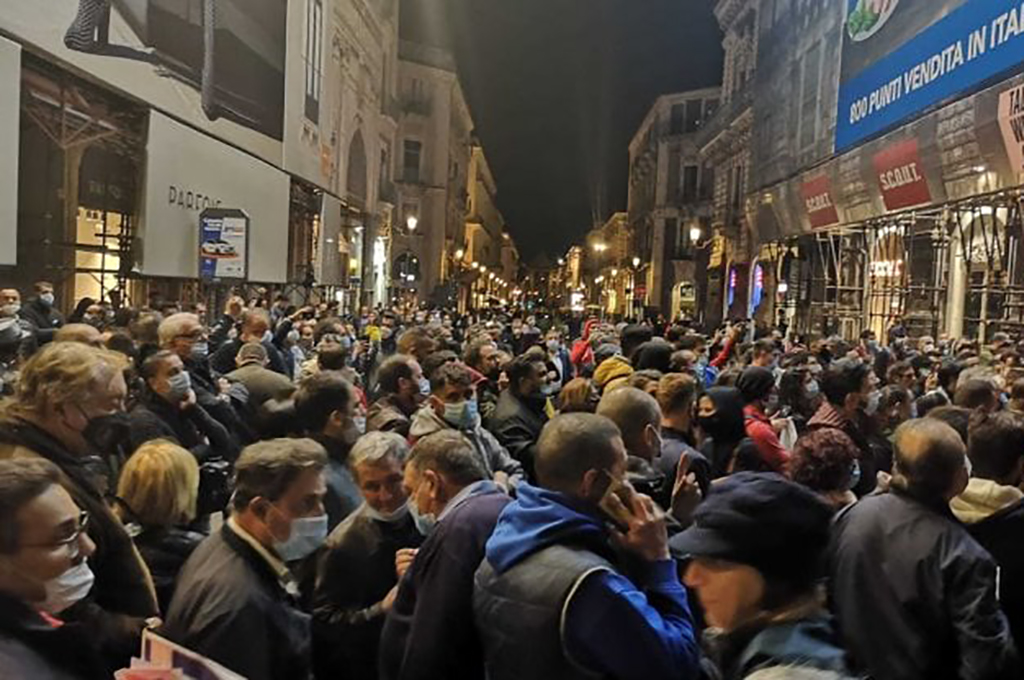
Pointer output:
x,y
223,244
1011,122
818,204
901,175
902,57
10,85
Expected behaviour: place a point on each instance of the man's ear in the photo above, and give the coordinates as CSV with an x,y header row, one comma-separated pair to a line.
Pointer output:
x,y
436,404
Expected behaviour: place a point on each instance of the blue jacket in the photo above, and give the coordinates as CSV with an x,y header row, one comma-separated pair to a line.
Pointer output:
x,y
626,628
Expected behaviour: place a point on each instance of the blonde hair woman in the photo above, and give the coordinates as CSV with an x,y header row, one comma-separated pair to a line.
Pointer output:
x,y
157,491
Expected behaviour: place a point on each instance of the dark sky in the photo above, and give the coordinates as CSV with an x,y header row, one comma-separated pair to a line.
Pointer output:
x,y
557,89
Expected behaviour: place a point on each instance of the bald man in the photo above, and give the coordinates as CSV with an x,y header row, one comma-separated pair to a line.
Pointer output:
x,y
548,574
913,593
638,417
79,332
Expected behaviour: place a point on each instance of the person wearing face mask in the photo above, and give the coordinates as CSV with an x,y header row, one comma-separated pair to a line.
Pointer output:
x,y
757,385
255,324
44,570
851,396
167,409
638,417
452,405
555,567
362,562
262,383
40,312
720,423
429,632
68,397
521,410
402,389
677,397
328,411
915,596
558,356
237,600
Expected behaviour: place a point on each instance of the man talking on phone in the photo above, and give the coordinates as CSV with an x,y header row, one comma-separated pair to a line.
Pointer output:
x,y
550,599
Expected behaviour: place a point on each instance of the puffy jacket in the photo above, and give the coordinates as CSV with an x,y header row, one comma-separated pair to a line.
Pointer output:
x,y
491,454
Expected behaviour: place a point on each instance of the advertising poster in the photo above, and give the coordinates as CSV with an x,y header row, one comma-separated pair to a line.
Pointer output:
x,y
217,64
223,244
901,177
1011,123
903,57
818,202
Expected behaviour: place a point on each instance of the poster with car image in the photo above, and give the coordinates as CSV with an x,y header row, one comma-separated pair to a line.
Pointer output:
x,y
223,244
902,58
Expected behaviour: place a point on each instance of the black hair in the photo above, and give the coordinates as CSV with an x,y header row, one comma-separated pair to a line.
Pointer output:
x,y
843,378
319,396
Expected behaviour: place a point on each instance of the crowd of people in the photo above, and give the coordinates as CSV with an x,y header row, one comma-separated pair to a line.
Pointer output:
x,y
415,493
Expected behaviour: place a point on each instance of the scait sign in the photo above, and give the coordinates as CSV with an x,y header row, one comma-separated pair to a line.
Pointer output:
x,y
818,203
1011,122
901,176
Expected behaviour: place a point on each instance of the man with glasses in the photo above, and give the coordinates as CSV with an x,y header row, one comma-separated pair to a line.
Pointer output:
x,y
44,550
68,408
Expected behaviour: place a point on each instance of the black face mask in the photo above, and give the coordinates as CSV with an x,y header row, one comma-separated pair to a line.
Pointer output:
x,y
710,425
107,434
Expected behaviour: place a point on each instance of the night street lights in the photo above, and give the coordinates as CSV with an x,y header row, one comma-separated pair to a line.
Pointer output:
x,y
411,223
636,262
695,234
459,254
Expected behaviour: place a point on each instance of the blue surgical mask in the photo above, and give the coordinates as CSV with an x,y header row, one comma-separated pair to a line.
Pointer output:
x,y
308,534
812,389
200,350
855,474
424,521
179,385
424,387
463,415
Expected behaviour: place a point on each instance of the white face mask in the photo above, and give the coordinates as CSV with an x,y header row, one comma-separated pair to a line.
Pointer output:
x,y
873,402
424,521
179,385
308,534
70,587
387,517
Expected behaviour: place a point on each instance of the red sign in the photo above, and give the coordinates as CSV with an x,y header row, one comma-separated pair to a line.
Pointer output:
x,y
901,176
821,211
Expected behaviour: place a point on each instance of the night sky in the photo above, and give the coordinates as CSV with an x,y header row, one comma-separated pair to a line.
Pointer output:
x,y
557,89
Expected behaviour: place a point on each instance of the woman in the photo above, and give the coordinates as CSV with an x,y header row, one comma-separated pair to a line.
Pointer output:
x,y
158,490
799,397
720,419
578,396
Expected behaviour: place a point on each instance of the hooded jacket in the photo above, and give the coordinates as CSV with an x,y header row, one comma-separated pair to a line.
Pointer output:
x,y
994,516
491,454
387,415
723,431
615,369
608,625
582,354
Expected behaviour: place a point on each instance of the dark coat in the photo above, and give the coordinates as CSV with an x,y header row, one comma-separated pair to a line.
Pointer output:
x,y
46,319
429,633
517,424
122,597
223,360
386,415
32,648
674,447
356,571
1001,534
156,418
230,606
915,595
165,552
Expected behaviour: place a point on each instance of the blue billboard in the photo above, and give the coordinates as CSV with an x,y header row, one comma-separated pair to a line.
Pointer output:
x,y
901,57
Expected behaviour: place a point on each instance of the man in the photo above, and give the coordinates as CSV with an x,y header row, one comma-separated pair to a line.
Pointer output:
x,y
71,396
79,332
520,413
401,383
236,600
558,357
850,389
417,343
168,409
326,409
255,324
992,505
262,383
43,571
10,298
677,397
429,632
757,385
977,393
551,599
638,418
483,359
363,559
764,354
453,406
41,313
914,594
755,560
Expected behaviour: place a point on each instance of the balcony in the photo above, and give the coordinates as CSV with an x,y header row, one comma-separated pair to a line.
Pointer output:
x,y
420,106
726,116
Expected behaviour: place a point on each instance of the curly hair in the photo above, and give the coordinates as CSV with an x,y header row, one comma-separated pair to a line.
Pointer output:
x,y
65,372
823,460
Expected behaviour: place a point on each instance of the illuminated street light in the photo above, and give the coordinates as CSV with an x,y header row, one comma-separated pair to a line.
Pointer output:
x,y
476,265
483,269
600,247
411,222
459,254
636,261
695,234
561,262
615,272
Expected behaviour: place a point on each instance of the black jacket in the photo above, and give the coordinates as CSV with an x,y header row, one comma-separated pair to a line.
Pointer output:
x,y
915,595
45,318
165,552
674,446
517,424
156,418
356,572
230,606
223,360
32,648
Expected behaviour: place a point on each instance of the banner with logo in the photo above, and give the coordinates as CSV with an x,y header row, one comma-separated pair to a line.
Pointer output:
x,y
818,202
903,57
223,244
187,173
900,175
10,85
1011,123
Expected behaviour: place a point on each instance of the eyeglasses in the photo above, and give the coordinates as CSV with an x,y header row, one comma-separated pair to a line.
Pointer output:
x,y
73,541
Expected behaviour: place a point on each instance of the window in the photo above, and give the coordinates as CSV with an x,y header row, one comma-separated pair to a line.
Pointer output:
x,y
809,97
313,58
707,182
694,115
690,176
673,176
710,108
671,239
411,160
677,117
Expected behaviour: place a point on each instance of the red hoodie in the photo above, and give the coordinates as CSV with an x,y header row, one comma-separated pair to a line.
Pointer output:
x,y
582,354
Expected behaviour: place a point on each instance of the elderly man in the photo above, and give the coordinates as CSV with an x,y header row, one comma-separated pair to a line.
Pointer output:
x,y
552,599
236,600
79,332
70,398
363,560
429,631
262,383
914,594
43,571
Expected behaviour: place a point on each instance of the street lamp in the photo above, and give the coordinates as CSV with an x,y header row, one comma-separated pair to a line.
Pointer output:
x,y
459,254
475,265
411,222
561,262
695,234
636,261
600,247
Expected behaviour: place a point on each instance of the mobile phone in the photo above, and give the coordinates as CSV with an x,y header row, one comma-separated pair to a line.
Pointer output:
x,y
623,491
